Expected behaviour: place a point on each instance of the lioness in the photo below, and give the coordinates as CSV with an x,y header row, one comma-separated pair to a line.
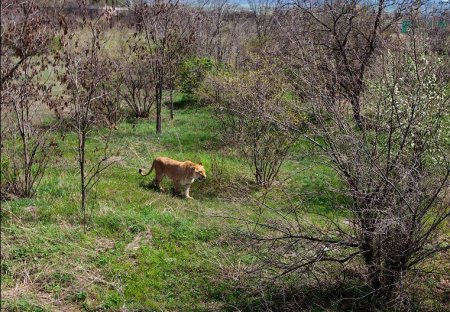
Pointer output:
x,y
181,173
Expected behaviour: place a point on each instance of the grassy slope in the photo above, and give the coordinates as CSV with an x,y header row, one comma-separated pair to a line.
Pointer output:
x,y
144,249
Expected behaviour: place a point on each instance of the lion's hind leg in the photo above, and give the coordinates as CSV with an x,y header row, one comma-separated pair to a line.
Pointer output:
x,y
157,182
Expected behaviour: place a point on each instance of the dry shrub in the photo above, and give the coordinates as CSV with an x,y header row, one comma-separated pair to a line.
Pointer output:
x,y
27,31
394,175
138,87
254,108
108,107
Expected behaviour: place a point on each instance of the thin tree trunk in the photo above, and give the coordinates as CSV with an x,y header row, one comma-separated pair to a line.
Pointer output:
x,y
171,102
395,266
356,107
370,260
27,170
26,162
21,120
81,155
158,74
158,108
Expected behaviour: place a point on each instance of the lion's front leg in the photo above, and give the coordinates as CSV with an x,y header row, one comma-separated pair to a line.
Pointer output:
x,y
186,191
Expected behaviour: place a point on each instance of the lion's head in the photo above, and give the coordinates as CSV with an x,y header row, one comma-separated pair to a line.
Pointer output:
x,y
199,172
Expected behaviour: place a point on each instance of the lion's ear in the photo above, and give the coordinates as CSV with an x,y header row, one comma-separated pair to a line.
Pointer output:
x,y
200,164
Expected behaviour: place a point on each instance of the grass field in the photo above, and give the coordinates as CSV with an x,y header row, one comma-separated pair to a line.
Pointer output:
x,y
144,250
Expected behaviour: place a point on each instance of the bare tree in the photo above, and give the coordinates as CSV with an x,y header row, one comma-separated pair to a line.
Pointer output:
x,y
245,104
168,33
265,14
26,33
108,106
172,73
83,76
219,10
26,143
395,174
225,31
350,34
138,83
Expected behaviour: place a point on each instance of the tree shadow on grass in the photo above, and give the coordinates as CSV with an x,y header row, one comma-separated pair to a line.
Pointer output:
x,y
227,188
239,189
148,186
167,190
332,298
337,297
62,125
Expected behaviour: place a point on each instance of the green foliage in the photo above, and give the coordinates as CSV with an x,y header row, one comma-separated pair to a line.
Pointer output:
x,y
183,100
8,178
55,44
21,305
193,71
80,296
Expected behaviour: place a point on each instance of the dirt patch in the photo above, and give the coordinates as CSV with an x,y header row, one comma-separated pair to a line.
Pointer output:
x,y
32,211
31,293
103,244
139,239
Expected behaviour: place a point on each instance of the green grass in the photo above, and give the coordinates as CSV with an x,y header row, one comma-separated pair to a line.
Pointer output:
x,y
144,250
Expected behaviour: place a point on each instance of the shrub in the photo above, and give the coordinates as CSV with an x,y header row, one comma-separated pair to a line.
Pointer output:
x,y
252,106
192,73
138,88
108,108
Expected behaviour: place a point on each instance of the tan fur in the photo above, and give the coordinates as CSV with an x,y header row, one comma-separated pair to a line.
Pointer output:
x,y
183,174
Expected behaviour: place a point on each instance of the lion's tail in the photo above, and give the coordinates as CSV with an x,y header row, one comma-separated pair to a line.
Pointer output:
x,y
146,174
